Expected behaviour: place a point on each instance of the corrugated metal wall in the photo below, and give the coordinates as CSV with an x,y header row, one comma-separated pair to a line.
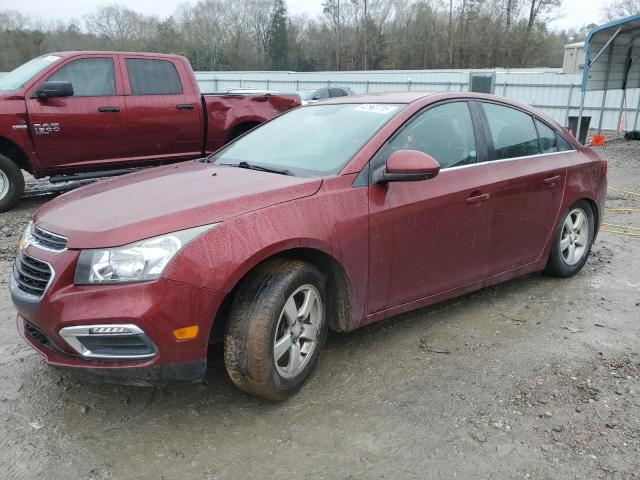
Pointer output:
x,y
548,89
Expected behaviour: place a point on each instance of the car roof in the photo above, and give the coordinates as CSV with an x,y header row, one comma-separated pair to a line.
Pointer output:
x,y
382,97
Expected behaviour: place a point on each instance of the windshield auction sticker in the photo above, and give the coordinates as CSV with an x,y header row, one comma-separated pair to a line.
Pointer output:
x,y
375,108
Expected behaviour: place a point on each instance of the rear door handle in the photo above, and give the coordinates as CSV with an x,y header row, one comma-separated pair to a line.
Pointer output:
x,y
551,181
108,109
478,198
185,106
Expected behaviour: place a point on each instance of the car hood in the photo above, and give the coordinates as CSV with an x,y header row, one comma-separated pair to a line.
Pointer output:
x,y
166,199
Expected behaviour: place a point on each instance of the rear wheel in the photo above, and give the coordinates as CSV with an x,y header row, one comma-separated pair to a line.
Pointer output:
x,y
276,328
573,241
11,183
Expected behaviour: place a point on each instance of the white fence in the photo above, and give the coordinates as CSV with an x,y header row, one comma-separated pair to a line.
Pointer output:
x,y
549,90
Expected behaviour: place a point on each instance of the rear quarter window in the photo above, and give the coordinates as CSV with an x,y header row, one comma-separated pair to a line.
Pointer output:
x,y
548,138
153,77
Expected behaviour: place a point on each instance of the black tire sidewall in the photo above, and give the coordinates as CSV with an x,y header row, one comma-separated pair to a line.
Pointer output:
x,y
557,265
16,183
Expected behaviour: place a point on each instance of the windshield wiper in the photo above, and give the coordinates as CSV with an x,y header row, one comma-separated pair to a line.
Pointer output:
x,y
251,166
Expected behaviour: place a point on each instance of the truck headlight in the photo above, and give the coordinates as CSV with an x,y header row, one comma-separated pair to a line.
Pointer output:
x,y
136,262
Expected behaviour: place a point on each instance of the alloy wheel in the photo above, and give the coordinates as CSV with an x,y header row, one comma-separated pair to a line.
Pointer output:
x,y
297,331
574,240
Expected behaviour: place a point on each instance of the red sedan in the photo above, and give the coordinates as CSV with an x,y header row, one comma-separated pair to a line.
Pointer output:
x,y
331,216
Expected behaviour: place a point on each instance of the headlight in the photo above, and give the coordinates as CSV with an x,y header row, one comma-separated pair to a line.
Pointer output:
x,y
136,262
27,237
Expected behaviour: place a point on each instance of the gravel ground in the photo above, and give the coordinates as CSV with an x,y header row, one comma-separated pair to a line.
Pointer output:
x,y
534,378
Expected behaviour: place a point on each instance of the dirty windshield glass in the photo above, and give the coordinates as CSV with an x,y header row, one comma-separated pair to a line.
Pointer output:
x,y
21,75
310,141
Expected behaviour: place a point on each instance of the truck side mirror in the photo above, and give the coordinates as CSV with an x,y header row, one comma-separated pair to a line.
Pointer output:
x,y
53,90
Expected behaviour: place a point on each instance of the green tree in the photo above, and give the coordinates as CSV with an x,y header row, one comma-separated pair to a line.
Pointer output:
x,y
277,38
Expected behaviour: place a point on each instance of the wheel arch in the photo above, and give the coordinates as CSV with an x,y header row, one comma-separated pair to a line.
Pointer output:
x,y
11,150
242,127
338,284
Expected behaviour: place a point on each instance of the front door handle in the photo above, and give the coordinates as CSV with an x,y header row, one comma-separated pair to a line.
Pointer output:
x,y
108,109
551,181
477,198
185,106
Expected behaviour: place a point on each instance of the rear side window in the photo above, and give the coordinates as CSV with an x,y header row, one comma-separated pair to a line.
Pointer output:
x,y
153,77
90,77
445,132
548,138
513,132
337,92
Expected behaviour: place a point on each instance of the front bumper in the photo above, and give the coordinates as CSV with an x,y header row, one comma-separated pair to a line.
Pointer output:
x,y
157,308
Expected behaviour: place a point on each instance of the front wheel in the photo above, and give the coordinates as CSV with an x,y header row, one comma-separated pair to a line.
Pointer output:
x,y
276,328
11,183
573,241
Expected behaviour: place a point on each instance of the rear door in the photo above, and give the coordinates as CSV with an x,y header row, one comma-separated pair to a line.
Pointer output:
x,y
430,236
164,111
529,185
89,127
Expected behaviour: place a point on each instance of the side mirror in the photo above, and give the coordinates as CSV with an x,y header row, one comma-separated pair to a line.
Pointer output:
x,y
409,166
54,90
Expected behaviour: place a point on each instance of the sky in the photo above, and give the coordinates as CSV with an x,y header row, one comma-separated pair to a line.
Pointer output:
x,y
573,13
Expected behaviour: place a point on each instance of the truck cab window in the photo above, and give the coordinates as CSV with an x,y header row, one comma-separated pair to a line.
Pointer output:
x,y
90,77
153,77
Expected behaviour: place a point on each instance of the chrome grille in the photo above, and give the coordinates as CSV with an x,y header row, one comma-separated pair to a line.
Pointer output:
x,y
48,240
32,276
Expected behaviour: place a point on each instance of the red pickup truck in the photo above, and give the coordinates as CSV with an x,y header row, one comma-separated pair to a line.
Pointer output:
x,y
91,114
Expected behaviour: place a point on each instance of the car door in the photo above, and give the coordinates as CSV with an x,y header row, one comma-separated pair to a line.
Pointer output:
x,y
163,109
430,236
529,185
89,127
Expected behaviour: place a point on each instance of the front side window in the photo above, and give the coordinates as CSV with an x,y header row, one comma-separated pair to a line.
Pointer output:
x,y
90,77
445,132
513,132
321,94
153,77
311,141
548,138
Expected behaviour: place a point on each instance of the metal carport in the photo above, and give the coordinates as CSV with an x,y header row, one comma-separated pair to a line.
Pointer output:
x,y
612,62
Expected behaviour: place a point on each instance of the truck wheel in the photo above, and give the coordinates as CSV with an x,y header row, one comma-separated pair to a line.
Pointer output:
x,y
573,241
11,183
276,328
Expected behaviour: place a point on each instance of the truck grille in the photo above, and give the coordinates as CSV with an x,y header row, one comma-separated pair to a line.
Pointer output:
x,y
48,240
32,276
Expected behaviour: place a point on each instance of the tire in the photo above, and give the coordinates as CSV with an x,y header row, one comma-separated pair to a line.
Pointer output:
x,y
573,243
258,318
11,183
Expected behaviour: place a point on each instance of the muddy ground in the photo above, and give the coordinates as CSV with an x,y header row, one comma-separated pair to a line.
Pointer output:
x,y
535,378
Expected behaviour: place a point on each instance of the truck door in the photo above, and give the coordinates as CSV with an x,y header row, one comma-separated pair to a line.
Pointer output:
x,y
164,111
89,127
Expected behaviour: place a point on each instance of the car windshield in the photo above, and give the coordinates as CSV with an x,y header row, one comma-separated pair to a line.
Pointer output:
x,y
21,75
306,94
312,141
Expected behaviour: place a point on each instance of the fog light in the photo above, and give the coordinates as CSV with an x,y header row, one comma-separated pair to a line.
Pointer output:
x,y
186,333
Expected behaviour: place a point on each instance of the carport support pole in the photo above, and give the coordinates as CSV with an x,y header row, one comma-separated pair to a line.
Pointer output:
x,y
635,122
622,102
604,94
577,134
